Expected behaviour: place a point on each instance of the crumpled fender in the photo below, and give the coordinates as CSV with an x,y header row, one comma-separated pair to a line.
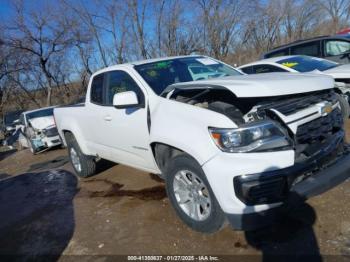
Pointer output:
x,y
185,127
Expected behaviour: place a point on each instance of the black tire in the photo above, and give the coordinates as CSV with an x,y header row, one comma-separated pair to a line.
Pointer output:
x,y
216,218
344,105
88,164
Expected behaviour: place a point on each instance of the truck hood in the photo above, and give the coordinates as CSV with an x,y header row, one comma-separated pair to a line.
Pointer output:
x,y
341,71
263,85
41,123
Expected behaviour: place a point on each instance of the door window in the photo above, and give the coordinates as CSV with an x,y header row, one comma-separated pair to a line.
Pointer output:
x,y
337,47
248,70
120,81
97,89
311,49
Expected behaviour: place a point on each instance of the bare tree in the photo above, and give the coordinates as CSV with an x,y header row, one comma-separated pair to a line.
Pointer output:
x,y
42,36
116,26
90,23
159,31
337,10
138,15
301,19
49,54
222,21
263,31
176,33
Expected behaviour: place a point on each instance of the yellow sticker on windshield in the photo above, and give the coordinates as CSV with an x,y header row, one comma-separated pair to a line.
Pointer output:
x,y
290,64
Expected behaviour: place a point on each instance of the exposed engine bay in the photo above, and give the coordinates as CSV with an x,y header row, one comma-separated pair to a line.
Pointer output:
x,y
308,137
244,110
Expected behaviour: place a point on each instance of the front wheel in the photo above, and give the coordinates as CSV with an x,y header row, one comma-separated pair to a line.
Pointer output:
x,y
84,166
191,196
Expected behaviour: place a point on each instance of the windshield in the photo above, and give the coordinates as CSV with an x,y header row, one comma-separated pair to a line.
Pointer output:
x,y
40,113
161,74
307,64
9,118
199,69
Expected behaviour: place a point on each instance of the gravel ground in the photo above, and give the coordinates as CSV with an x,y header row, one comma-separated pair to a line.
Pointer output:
x,y
46,210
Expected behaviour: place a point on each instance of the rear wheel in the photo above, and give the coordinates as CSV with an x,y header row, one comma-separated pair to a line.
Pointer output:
x,y
84,166
191,196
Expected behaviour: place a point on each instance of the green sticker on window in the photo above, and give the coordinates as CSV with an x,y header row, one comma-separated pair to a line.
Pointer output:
x,y
162,64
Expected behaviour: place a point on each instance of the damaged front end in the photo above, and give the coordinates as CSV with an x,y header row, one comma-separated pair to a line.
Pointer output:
x,y
41,135
310,124
296,121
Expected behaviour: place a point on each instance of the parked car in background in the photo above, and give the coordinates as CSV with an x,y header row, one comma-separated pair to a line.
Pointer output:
x,y
39,131
9,122
344,32
335,48
304,64
235,147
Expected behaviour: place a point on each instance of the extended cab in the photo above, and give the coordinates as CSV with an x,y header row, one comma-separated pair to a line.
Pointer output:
x,y
230,146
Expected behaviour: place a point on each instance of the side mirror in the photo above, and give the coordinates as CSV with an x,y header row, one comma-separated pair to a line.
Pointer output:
x,y
125,99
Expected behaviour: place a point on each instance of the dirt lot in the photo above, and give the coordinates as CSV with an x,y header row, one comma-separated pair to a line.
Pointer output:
x,y
45,209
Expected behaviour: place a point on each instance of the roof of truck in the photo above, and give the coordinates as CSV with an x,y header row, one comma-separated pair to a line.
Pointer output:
x,y
146,61
141,62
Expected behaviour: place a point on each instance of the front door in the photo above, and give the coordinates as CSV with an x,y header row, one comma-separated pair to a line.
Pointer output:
x,y
126,130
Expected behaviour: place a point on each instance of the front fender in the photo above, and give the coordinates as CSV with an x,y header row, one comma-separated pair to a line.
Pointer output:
x,y
185,127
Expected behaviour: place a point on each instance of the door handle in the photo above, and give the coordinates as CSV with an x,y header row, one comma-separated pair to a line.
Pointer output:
x,y
107,118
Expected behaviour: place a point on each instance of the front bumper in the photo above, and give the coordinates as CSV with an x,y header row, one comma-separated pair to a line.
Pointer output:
x,y
252,199
316,184
274,186
42,143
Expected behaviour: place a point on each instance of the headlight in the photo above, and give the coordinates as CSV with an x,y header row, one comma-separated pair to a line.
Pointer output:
x,y
258,136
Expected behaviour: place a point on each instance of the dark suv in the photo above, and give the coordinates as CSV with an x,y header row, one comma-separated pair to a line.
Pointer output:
x,y
336,48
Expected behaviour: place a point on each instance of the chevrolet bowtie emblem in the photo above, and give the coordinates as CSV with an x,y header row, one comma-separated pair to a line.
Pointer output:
x,y
326,108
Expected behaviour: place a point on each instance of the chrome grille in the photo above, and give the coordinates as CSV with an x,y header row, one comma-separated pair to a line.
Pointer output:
x,y
293,104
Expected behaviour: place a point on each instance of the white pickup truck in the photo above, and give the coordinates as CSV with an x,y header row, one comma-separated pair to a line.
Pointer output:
x,y
229,146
